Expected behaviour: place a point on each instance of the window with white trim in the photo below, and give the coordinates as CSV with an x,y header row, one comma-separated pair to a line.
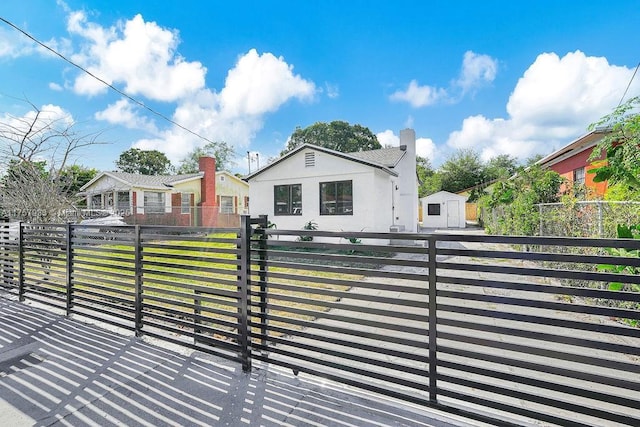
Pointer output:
x,y
154,202
185,203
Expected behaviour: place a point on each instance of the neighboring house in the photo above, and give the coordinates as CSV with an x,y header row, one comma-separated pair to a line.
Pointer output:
x,y
158,199
232,197
443,210
373,190
571,162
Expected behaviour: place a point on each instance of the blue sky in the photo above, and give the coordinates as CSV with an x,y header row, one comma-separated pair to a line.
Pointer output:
x,y
500,77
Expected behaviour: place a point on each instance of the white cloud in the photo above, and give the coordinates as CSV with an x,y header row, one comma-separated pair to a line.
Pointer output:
x,y
122,112
476,70
260,84
419,96
257,85
553,102
13,46
333,91
388,139
140,55
55,87
425,147
40,124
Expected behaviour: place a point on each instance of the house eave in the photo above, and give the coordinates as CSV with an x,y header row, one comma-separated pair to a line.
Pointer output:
x,y
580,144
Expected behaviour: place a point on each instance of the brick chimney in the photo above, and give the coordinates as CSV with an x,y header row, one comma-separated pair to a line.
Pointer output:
x,y
208,191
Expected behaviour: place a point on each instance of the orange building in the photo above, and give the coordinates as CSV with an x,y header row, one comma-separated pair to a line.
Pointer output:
x,y
572,162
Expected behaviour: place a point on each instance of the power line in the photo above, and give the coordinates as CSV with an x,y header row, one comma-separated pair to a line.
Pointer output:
x,y
110,86
629,85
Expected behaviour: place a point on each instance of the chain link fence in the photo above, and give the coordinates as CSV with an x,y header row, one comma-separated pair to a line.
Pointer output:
x,y
595,218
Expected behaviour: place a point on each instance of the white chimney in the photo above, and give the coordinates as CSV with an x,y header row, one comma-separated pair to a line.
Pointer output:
x,y
407,206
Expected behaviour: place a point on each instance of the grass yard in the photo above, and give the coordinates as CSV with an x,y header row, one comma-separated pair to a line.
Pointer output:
x,y
194,274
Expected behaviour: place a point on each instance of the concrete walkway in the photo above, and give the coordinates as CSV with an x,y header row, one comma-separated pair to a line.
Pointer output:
x,y
57,371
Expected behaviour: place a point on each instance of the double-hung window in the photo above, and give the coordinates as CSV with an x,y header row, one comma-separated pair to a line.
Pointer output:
x,y
287,199
153,202
336,198
185,203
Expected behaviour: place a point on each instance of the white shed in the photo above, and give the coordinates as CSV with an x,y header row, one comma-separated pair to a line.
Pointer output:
x,y
443,210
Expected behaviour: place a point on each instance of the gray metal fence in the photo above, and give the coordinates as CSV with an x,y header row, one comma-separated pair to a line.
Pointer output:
x,y
511,329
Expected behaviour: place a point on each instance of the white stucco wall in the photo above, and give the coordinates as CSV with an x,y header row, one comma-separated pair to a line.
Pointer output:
x,y
448,218
372,188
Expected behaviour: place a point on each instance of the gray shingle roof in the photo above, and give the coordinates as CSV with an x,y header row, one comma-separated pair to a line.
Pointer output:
x,y
154,181
388,157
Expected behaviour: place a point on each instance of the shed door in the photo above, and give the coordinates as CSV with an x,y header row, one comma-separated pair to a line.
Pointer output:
x,y
453,213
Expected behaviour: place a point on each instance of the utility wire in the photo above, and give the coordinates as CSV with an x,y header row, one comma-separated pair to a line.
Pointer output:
x,y
110,86
629,85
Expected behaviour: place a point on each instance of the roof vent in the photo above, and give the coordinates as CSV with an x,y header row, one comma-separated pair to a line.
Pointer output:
x,y
309,159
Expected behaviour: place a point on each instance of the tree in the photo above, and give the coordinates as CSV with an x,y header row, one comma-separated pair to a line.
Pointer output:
x,y
35,149
74,177
620,146
222,152
511,206
502,166
144,162
530,161
336,135
428,179
462,170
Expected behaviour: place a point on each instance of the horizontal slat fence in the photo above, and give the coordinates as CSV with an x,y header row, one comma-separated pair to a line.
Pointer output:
x,y
535,320
190,287
350,308
103,273
521,330
43,264
9,259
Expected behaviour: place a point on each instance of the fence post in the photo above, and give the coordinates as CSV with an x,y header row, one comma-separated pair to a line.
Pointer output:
x,y
69,253
540,231
137,243
264,296
433,346
600,219
244,278
5,267
20,262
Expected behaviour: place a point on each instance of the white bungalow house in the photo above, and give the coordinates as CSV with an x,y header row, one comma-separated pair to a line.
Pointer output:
x,y
375,191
